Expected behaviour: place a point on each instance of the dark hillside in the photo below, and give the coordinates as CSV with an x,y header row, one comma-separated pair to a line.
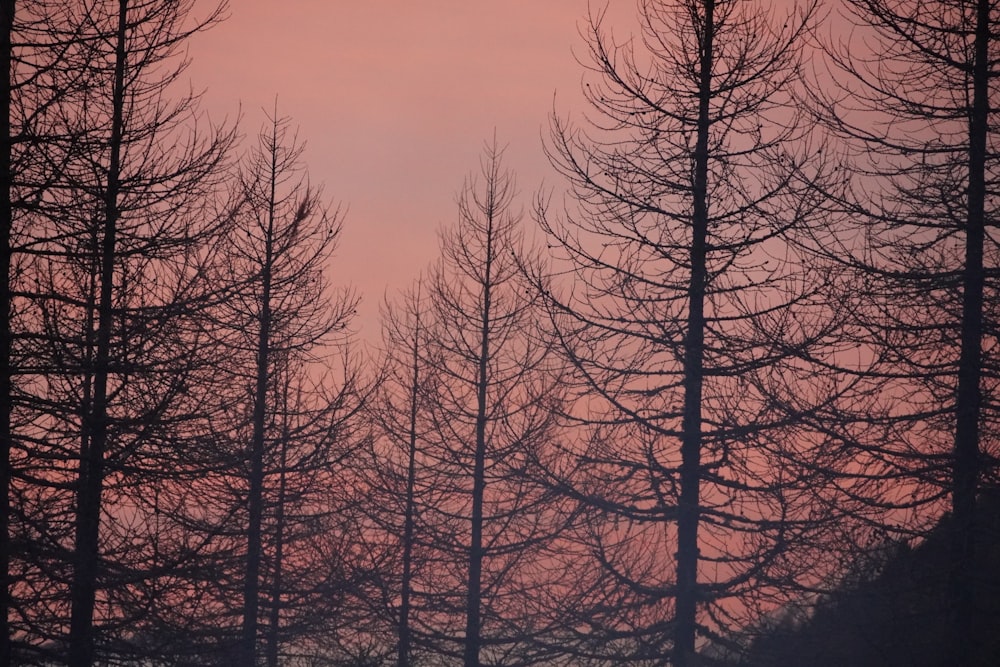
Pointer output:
x,y
891,611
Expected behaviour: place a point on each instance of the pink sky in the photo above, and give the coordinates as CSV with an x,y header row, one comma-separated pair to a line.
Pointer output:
x,y
394,99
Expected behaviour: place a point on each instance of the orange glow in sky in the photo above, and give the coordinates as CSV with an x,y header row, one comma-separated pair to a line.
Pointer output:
x,y
394,100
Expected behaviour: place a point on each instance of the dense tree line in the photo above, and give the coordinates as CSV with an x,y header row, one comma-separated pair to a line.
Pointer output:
x,y
741,397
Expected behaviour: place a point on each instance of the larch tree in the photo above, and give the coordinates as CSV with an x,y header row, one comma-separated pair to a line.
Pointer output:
x,y
396,470
34,38
912,99
307,564
111,343
281,319
692,326
470,404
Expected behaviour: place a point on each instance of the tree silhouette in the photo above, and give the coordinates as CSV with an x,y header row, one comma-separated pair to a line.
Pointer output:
x,y
396,410
690,321
467,406
889,608
281,312
115,261
34,39
917,118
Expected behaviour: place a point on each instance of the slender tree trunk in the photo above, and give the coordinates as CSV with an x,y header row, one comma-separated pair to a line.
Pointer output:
x,y
690,473
473,626
86,560
6,222
255,496
965,475
274,622
403,659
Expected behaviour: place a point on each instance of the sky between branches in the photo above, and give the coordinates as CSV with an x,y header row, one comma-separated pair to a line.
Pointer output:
x,y
394,100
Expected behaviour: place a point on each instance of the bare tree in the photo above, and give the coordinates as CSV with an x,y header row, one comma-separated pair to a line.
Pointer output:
x,y
691,323
467,405
283,314
397,409
912,101
116,260
34,39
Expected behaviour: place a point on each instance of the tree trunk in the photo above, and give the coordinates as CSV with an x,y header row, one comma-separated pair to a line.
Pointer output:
x,y
690,472
255,497
274,622
403,659
86,561
473,626
965,474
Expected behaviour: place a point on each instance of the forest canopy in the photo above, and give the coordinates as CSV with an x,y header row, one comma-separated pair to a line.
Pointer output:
x,y
722,393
